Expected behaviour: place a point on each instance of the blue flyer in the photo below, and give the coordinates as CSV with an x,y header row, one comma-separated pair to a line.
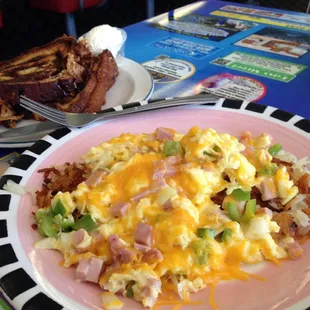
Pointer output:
x,y
231,50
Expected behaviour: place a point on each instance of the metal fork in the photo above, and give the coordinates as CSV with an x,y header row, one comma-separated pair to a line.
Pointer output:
x,y
82,119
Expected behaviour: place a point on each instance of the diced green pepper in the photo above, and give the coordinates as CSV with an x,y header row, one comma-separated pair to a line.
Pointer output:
x,y
59,208
275,149
86,222
39,214
47,227
200,248
202,259
199,244
205,233
129,291
58,220
64,224
67,223
241,195
217,149
268,171
208,154
172,148
233,212
43,212
250,210
227,235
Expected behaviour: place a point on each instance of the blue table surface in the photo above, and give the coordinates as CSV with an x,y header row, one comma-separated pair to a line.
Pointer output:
x,y
290,96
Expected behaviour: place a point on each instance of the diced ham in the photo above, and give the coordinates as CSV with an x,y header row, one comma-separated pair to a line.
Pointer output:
x,y
78,236
95,178
141,195
173,160
137,150
268,189
82,269
140,247
94,270
115,244
119,252
156,186
155,283
160,170
147,291
150,302
163,134
81,240
96,236
89,269
143,234
111,269
152,256
171,171
246,138
121,291
265,211
119,209
168,205
248,151
294,250
126,255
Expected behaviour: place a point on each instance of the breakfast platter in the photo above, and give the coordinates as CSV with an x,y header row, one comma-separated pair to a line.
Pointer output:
x,y
162,163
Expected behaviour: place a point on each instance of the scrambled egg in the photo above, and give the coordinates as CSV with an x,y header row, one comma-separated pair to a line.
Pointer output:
x,y
201,239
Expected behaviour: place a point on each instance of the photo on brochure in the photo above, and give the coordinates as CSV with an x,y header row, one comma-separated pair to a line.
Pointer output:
x,y
282,42
205,27
263,13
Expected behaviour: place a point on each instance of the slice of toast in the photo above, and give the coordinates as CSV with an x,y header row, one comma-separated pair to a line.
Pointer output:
x,y
40,73
104,71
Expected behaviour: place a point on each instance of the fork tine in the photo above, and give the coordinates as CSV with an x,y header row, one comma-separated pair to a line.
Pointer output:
x,y
43,106
43,113
49,117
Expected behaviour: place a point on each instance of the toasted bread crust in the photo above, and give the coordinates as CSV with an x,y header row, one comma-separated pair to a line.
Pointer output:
x,y
60,45
105,76
104,72
62,73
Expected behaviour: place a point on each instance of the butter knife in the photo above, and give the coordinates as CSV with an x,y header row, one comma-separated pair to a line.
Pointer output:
x,y
28,133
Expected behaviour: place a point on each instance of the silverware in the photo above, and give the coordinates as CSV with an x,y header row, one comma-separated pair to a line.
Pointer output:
x,y
82,119
28,133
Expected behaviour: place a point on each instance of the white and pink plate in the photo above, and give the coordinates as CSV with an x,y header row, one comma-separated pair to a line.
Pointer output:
x,y
34,280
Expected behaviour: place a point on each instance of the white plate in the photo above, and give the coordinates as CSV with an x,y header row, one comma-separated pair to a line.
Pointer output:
x,y
134,83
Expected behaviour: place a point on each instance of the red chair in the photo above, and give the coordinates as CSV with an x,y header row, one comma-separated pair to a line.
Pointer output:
x,y
67,7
